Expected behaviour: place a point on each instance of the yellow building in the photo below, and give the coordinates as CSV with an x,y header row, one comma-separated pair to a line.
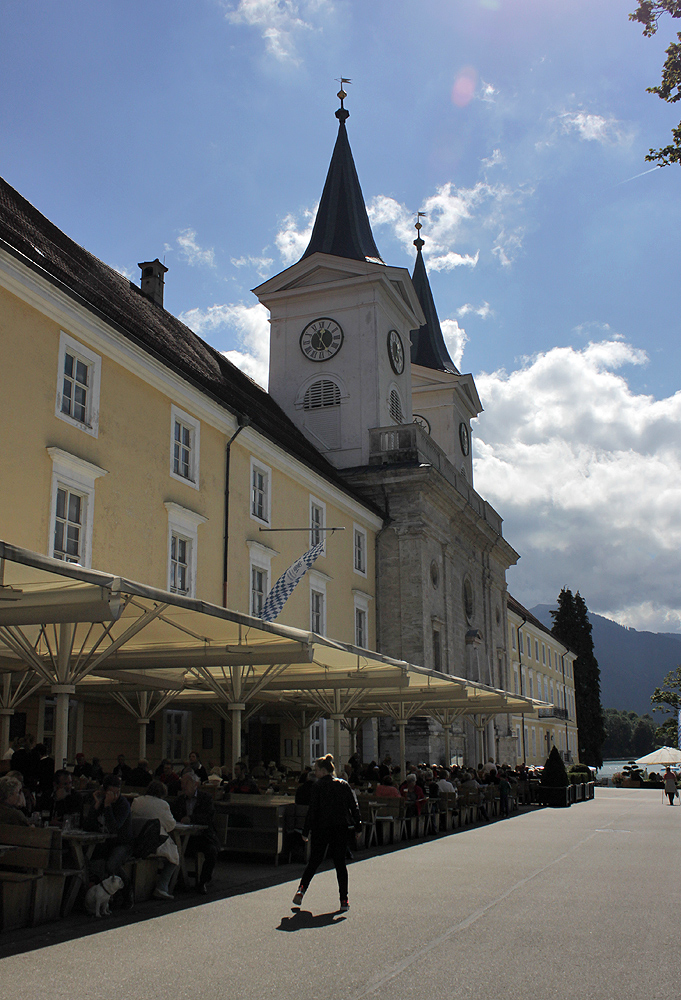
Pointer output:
x,y
138,449
542,668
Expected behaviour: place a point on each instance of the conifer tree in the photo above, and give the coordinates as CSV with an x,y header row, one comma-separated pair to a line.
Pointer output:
x,y
572,627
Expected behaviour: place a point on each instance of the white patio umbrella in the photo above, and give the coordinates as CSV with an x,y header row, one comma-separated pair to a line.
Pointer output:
x,y
665,755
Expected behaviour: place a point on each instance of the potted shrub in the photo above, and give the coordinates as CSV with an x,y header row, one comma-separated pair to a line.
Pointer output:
x,y
554,790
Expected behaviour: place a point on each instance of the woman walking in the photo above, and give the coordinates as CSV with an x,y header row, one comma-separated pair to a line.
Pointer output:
x,y
669,785
332,810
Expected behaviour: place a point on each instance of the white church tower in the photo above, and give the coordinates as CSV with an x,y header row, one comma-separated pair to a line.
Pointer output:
x,y
341,321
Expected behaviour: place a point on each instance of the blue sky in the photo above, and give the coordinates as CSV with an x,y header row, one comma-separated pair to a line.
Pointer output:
x,y
202,131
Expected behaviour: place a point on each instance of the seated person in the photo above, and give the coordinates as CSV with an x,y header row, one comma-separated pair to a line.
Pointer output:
x,y
170,778
63,801
121,769
215,776
260,771
197,766
193,805
242,783
410,791
386,789
82,767
152,805
140,776
444,784
110,813
12,801
97,770
304,790
29,806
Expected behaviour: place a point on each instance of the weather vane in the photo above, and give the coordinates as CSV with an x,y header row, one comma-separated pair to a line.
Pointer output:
x,y
418,242
342,115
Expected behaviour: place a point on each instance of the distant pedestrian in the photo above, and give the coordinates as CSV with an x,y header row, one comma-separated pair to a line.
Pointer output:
x,y
333,809
670,786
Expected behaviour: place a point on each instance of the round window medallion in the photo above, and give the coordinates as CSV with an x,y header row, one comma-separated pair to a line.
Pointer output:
x,y
434,574
468,600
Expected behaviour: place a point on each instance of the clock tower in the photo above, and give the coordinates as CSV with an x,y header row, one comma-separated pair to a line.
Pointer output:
x,y
340,323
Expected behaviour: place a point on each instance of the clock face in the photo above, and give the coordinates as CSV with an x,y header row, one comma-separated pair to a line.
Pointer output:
x,y
321,339
396,352
464,438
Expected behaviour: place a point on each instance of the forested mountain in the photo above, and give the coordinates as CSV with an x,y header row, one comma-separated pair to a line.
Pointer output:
x,y
632,663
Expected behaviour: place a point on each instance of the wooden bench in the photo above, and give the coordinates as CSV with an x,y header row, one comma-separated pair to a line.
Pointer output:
x,y
32,878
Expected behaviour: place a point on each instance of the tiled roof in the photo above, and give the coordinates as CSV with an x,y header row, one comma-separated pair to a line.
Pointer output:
x,y
36,242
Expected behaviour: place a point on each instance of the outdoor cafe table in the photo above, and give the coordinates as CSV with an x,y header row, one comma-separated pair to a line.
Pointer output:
x,y
181,834
82,844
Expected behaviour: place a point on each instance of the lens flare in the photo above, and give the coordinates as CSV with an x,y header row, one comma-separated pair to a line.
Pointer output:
x,y
464,87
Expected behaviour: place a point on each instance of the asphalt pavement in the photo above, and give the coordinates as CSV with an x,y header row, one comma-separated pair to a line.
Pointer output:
x,y
551,903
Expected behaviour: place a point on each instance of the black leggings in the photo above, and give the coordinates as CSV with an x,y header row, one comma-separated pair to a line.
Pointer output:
x,y
336,839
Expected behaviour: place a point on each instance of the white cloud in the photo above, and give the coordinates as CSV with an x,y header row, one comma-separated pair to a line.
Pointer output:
x,y
455,339
593,128
587,475
252,329
488,93
280,22
191,251
494,160
125,272
293,237
261,264
450,260
484,311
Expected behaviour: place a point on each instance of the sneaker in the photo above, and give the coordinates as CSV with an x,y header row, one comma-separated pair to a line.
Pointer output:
x,y
162,894
298,898
344,906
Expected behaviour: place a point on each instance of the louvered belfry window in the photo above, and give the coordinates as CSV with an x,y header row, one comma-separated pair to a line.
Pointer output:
x,y
321,394
395,406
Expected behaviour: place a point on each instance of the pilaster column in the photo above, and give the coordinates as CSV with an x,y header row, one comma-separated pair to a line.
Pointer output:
x,y
337,718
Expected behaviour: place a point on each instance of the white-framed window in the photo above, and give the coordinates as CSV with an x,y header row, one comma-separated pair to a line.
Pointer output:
x,y
361,601
546,688
359,555
317,739
185,447
175,735
513,638
529,646
72,507
543,653
261,492
531,683
78,380
523,681
260,574
318,581
317,523
515,679
536,650
183,546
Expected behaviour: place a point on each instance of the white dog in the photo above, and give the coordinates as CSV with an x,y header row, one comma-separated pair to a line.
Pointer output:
x,y
97,897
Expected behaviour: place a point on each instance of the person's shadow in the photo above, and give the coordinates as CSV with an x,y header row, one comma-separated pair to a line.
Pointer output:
x,y
304,920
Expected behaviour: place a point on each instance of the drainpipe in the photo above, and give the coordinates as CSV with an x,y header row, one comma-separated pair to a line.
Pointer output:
x,y
242,421
520,683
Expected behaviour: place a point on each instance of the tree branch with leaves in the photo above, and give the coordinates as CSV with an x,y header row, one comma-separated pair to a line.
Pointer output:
x,y
648,13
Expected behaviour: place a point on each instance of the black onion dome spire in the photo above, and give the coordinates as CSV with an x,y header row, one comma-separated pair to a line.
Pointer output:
x,y
342,225
428,346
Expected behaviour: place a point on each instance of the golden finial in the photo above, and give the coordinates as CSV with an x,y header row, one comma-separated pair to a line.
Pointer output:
x,y
342,115
418,242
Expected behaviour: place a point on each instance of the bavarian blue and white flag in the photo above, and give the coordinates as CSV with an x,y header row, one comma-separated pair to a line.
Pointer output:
x,y
287,582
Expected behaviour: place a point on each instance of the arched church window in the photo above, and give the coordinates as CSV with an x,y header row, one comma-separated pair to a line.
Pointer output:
x,y
321,395
395,406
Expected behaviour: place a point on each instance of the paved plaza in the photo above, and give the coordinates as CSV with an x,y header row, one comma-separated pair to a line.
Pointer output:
x,y
578,903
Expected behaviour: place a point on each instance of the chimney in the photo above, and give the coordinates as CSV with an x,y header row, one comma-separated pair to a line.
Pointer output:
x,y
152,280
